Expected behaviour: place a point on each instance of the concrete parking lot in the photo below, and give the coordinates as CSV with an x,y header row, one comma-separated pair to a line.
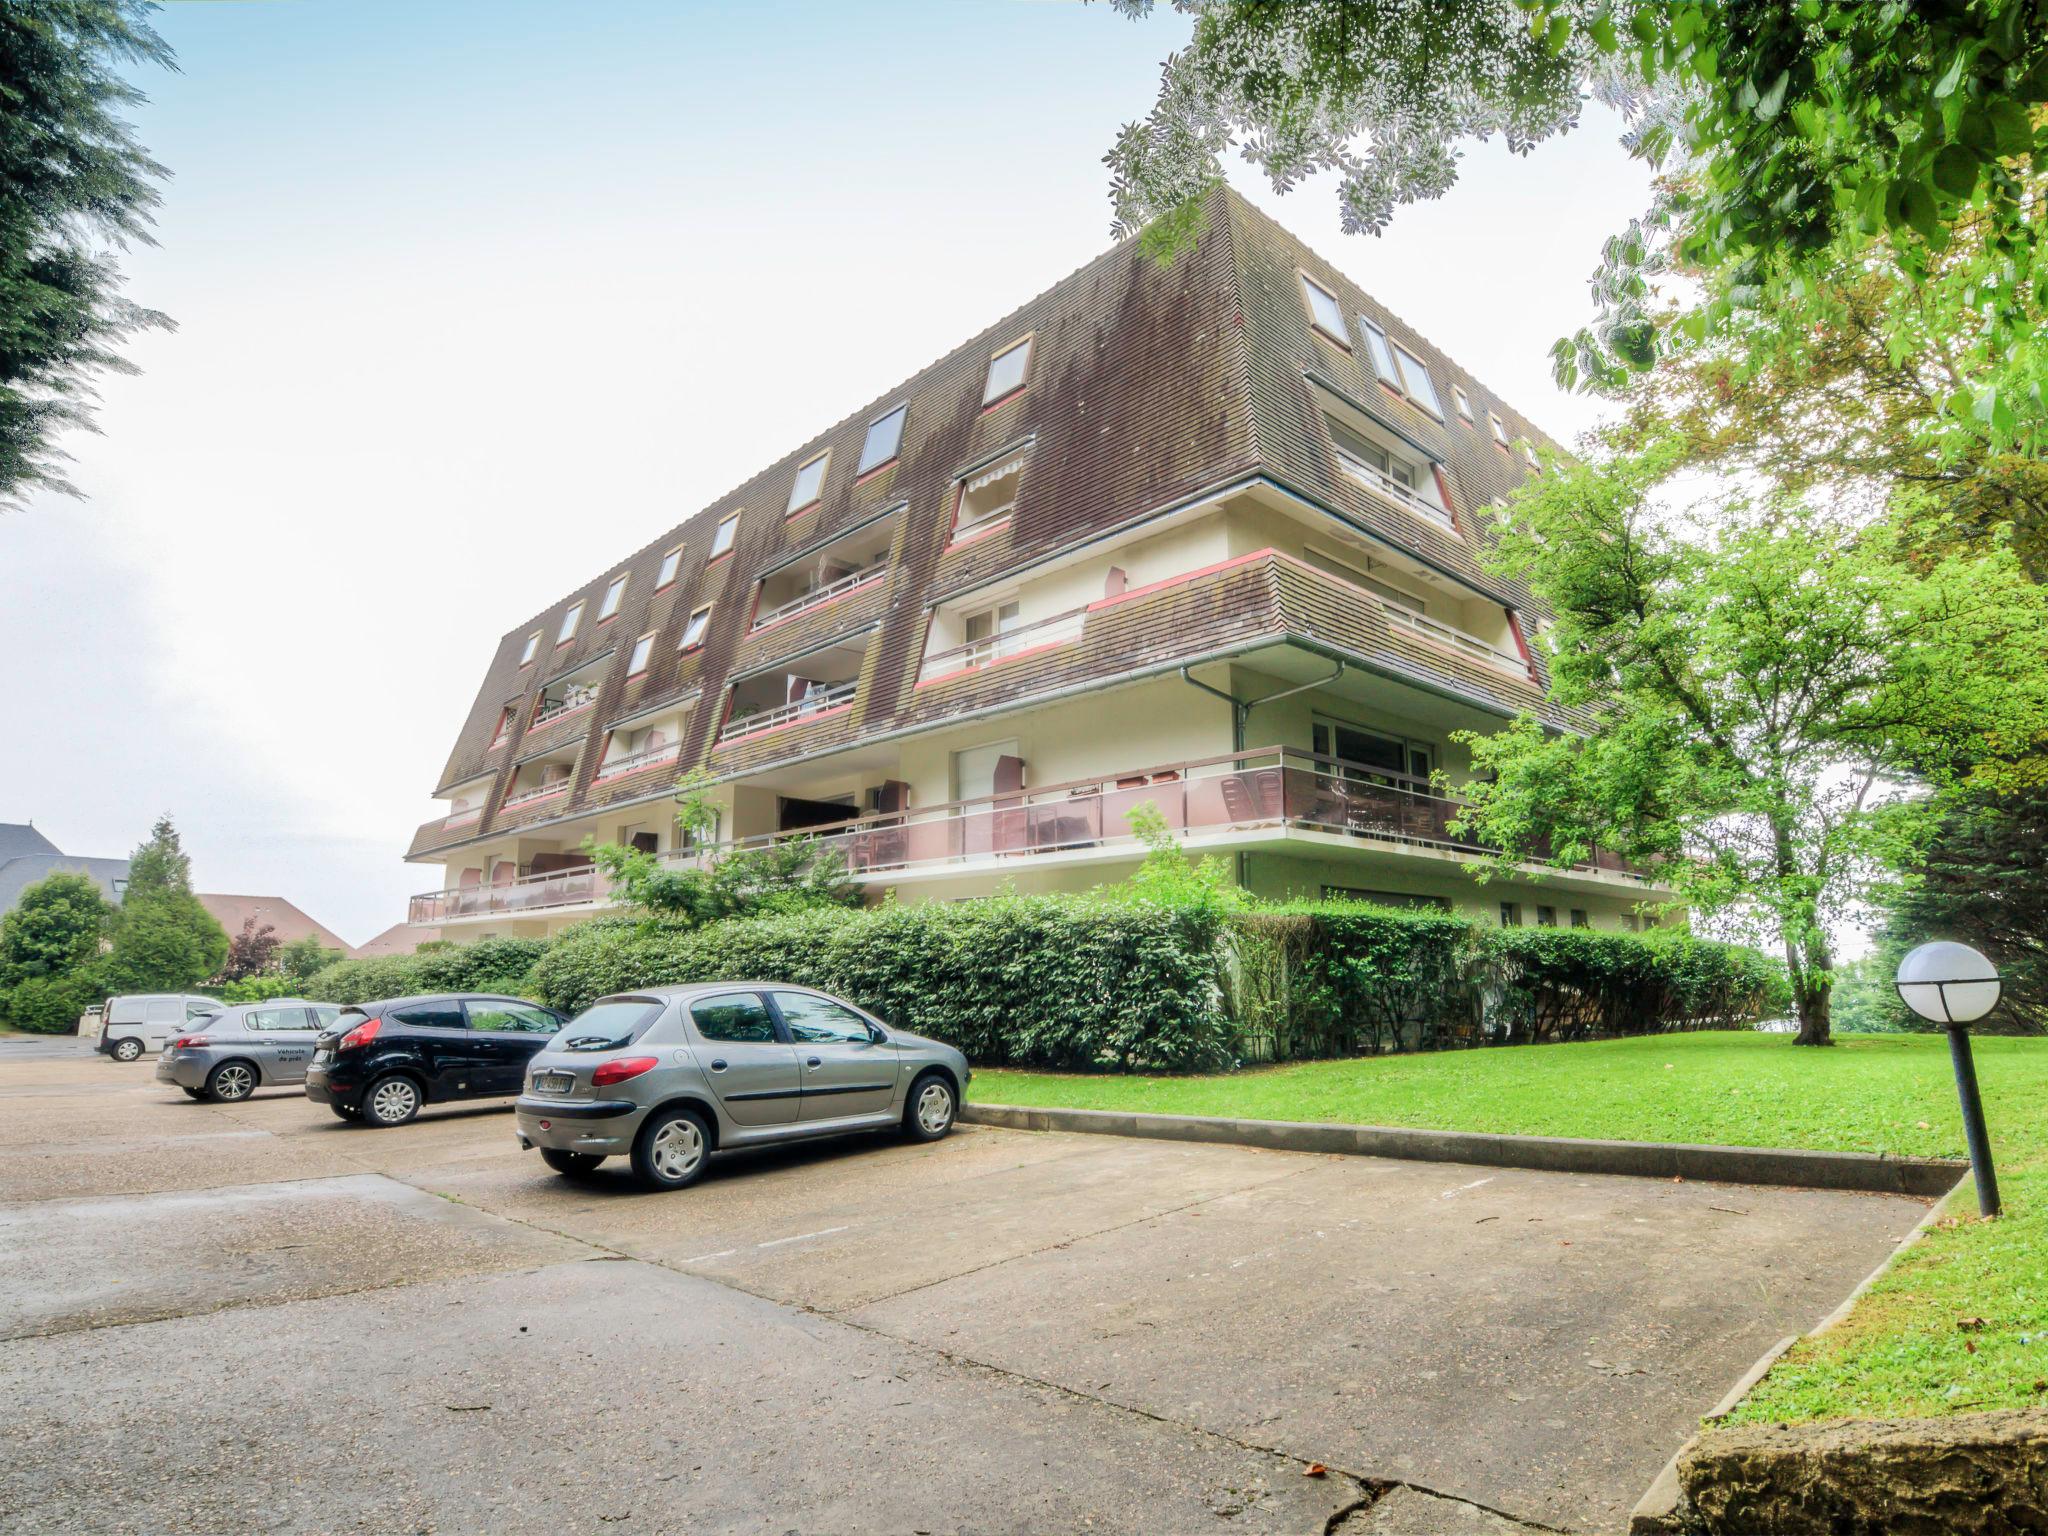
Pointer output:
x,y
259,1317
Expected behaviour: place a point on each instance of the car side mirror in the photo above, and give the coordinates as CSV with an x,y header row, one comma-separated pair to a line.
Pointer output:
x,y
876,1035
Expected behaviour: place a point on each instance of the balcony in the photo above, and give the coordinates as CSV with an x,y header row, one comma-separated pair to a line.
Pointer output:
x,y
636,762
816,702
1404,497
818,596
1005,645
1270,794
1457,639
535,794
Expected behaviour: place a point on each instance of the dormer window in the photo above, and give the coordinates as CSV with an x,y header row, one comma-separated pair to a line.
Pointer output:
x,y
1416,381
505,719
809,485
1006,371
532,646
571,622
1324,312
1529,458
609,608
1382,353
988,497
693,632
642,649
884,440
1388,468
1500,433
1462,400
728,530
671,563
570,692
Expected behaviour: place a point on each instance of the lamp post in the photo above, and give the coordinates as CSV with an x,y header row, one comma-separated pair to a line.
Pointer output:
x,y
1954,986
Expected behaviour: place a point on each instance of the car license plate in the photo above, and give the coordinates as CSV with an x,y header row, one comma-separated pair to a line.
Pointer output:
x,y
554,1082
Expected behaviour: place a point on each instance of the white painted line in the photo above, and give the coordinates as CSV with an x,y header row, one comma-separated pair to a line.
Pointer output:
x,y
723,1253
1453,1193
800,1237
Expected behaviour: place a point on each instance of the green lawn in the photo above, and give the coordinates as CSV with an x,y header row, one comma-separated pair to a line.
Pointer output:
x,y
1912,1346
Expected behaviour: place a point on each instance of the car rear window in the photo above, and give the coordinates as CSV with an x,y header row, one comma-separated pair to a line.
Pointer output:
x,y
429,1016
608,1024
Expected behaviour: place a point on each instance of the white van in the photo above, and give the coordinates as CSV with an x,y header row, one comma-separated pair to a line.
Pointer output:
x,y
149,1021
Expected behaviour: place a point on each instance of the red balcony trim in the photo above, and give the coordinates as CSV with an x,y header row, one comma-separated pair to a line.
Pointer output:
x,y
554,720
659,762
979,529
770,730
889,463
690,650
1005,399
859,586
504,809
1000,661
1174,581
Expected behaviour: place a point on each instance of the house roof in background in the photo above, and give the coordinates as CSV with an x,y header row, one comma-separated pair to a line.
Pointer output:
x,y
398,939
18,839
231,912
18,874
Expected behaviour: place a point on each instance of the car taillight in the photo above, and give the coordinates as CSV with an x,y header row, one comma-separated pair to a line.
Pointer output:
x,y
362,1034
182,1041
618,1071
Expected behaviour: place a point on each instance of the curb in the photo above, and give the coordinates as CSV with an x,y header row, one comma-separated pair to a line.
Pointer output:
x,y
1866,1172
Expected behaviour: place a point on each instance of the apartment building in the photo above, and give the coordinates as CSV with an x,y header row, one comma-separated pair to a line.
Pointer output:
x,y
1204,535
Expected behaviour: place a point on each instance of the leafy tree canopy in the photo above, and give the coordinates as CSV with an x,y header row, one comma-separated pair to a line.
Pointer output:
x,y
1789,135
164,943
160,866
1766,680
54,929
74,182
252,952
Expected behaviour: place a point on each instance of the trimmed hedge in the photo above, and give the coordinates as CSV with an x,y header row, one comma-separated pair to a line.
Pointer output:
x,y
491,965
1055,982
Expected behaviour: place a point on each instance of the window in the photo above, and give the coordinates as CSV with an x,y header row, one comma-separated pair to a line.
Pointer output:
x,y
1511,914
1462,400
570,621
809,484
609,608
1324,310
1529,458
670,564
1412,484
1579,919
532,645
277,1018
1500,433
1630,923
988,497
120,889
991,622
1415,379
512,1019
1006,372
1382,353
884,440
1356,746
428,1016
728,530
820,1021
740,1018
202,1008
978,771
642,649
693,632
1546,917
505,724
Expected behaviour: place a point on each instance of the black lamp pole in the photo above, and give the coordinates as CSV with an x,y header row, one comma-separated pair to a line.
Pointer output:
x,y
1973,1104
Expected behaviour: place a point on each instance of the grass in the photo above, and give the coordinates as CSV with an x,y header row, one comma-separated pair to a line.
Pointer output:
x,y
1960,1322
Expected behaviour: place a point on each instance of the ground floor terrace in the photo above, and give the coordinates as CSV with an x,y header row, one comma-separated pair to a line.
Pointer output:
x,y
1312,778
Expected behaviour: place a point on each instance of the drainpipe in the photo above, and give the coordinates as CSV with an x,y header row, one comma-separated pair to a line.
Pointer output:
x,y
1240,717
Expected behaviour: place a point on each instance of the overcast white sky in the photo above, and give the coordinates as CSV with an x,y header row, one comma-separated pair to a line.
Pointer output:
x,y
473,298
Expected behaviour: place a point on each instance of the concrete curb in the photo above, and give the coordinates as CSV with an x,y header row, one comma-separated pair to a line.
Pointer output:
x,y
1875,1173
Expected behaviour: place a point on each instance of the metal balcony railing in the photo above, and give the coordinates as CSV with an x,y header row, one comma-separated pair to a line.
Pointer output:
x,y
1379,480
536,792
818,595
815,702
1054,630
633,762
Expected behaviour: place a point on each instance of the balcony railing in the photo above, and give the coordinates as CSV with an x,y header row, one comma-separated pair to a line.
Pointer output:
x,y
817,595
567,704
1379,480
538,792
815,702
1456,638
633,762
1275,787
1058,629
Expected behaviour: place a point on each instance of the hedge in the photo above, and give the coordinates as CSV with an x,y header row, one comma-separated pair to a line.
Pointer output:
x,y
491,965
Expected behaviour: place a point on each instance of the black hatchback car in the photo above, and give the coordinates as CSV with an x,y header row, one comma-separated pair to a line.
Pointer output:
x,y
382,1061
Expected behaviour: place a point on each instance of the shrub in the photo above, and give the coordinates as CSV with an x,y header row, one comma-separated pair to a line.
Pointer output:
x,y
50,1005
490,965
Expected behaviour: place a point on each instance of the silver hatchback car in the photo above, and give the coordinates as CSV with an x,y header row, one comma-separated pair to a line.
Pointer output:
x,y
672,1075
227,1056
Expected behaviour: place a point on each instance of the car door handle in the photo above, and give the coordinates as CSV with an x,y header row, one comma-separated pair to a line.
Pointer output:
x,y
718,1064
812,1061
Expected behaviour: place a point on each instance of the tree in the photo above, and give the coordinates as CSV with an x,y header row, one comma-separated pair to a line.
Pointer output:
x,y
164,943
299,959
1761,688
1787,136
74,182
160,866
54,929
252,952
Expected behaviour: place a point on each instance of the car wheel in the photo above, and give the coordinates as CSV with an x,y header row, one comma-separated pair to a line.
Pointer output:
x,y
127,1049
671,1150
391,1100
929,1114
231,1082
343,1112
569,1162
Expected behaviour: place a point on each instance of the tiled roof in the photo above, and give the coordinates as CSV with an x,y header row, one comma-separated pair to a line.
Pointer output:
x,y
231,912
1148,385
20,838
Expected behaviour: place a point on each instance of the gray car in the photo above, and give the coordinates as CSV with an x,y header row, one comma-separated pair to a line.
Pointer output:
x,y
228,1055
670,1076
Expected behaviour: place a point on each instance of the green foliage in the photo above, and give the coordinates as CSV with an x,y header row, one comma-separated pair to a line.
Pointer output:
x,y
490,965
1051,981
160,866
50,1004
259,988
1790,140
1764,678
73,181
54,929
164,942
1166,877
1866,1002
303,957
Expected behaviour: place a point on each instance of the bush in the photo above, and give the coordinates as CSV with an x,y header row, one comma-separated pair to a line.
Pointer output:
x,y
50,1005
1048,981
491,965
